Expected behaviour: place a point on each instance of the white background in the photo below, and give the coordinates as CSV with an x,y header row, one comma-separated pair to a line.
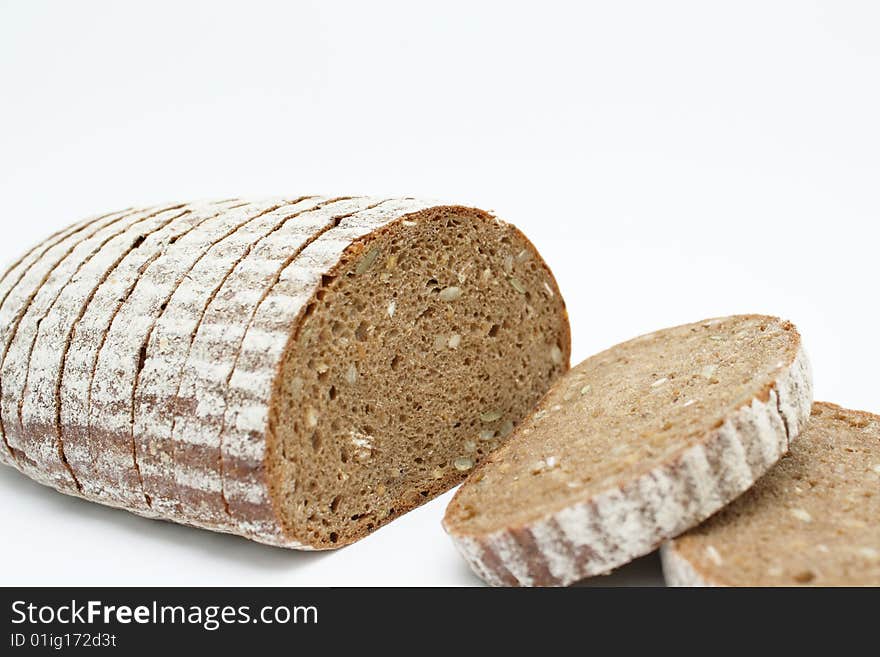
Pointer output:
x,y
671,160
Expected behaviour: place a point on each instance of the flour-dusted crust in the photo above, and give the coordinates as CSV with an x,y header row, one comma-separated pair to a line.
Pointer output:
x,y
48,319
678,571
27,286
124,349
96,296
168,345
39,407
166,352
615,526
199,398
249,395
18,356
16,270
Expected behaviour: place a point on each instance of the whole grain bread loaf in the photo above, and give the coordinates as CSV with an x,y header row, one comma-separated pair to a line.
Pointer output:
x,y
634,446
298,370
811,521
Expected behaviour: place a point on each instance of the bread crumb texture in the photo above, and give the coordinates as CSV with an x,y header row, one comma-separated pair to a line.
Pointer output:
x,y
811,521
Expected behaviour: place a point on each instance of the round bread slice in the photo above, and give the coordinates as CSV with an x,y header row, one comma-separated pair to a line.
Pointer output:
x,y
634,446
811,521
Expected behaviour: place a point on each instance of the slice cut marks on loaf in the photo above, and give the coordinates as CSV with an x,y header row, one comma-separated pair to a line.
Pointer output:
x,y
811,521
18,269
170,344
41,410
634,446
88,304
328,371
200,398
18,302
42,339
124,349
187,317
17,359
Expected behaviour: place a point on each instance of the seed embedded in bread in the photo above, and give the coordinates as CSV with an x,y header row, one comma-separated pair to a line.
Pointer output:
x,y
595,479
810,521
452,293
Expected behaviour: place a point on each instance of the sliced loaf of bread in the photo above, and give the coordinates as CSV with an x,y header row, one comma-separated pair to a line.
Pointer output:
x,y
634,446
297,371
811,521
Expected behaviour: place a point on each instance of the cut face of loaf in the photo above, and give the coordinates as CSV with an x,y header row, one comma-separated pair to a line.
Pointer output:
x,y
810,521
633,446
297,371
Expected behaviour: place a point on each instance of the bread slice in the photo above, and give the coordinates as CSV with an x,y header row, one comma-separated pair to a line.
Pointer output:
x,y
810,521
315,373
634,446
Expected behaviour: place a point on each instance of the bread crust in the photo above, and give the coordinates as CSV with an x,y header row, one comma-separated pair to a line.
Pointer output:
x,y
37,405
16,270
191,423
167,343
92,301
617,525
678,571
18,302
